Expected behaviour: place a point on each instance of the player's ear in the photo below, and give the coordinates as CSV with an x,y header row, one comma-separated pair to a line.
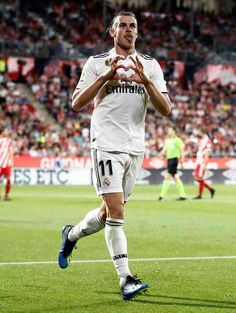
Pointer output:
x,y
112,32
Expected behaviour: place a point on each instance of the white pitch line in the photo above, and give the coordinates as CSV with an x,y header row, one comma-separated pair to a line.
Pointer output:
x,y
194,258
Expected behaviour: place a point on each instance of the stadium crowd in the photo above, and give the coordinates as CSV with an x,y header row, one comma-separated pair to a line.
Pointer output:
x,y
43,29
164,36
206,104
28,137
211,106
23,34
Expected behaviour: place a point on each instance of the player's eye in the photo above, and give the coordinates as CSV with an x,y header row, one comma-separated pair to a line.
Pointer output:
x,y
122,25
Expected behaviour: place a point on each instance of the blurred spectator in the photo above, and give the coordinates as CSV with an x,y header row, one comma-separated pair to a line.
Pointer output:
x,y
206,104
166,37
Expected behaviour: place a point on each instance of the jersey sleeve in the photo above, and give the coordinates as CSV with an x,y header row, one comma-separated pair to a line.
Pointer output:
x,y
157,77
208,146
180,143
88,75
165,146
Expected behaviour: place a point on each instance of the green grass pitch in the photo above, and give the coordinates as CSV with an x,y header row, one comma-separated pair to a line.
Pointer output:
x,y
31,232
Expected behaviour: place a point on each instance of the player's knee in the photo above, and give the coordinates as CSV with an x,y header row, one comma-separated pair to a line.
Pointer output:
x,y
115,205
167,177
117,211
198,178
103,215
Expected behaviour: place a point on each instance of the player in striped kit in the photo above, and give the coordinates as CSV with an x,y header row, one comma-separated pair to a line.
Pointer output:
x,y
121,82
6,159
204,150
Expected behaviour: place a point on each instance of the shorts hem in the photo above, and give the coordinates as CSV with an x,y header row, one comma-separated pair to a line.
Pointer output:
x,y
102,192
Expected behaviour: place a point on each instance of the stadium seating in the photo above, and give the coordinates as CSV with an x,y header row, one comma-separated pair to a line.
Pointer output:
x,y
58,29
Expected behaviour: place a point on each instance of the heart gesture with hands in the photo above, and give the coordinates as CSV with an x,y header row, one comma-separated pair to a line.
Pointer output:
x,y
137,67
138,76
112,74
125,67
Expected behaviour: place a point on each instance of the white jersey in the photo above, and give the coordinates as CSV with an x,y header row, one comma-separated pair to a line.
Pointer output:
x,y
205,146
117,122
5,152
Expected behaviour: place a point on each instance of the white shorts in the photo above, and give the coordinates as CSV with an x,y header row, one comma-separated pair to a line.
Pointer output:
x,y
115,171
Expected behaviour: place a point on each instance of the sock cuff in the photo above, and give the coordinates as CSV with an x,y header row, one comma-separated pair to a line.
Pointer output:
x,y
114,221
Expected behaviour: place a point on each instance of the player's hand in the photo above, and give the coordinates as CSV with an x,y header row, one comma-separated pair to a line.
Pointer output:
x,y
139,76
112,74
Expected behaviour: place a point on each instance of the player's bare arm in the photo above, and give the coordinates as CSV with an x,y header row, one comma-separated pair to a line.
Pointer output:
x,y
161,101
182,155
81,98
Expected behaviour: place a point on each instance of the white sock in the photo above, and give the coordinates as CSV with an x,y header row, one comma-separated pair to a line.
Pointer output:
x,y
89,225
117,246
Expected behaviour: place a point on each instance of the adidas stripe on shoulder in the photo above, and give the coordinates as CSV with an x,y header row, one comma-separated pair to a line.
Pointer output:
x,y
101,56
145,56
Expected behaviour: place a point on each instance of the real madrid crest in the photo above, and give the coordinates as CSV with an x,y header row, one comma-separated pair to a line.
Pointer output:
x,y
108,62
106,181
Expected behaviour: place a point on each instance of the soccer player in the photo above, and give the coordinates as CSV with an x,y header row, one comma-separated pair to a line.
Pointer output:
x,y
204,150
121,82
6,159
173,149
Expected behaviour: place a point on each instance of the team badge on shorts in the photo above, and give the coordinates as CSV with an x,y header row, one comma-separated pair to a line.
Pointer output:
x,y
106,182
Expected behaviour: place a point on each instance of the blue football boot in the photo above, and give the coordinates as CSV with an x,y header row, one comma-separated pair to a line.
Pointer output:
x,y
67,247
133,287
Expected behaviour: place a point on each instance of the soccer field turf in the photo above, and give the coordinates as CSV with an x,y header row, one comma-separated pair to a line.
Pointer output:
x,y
166,241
